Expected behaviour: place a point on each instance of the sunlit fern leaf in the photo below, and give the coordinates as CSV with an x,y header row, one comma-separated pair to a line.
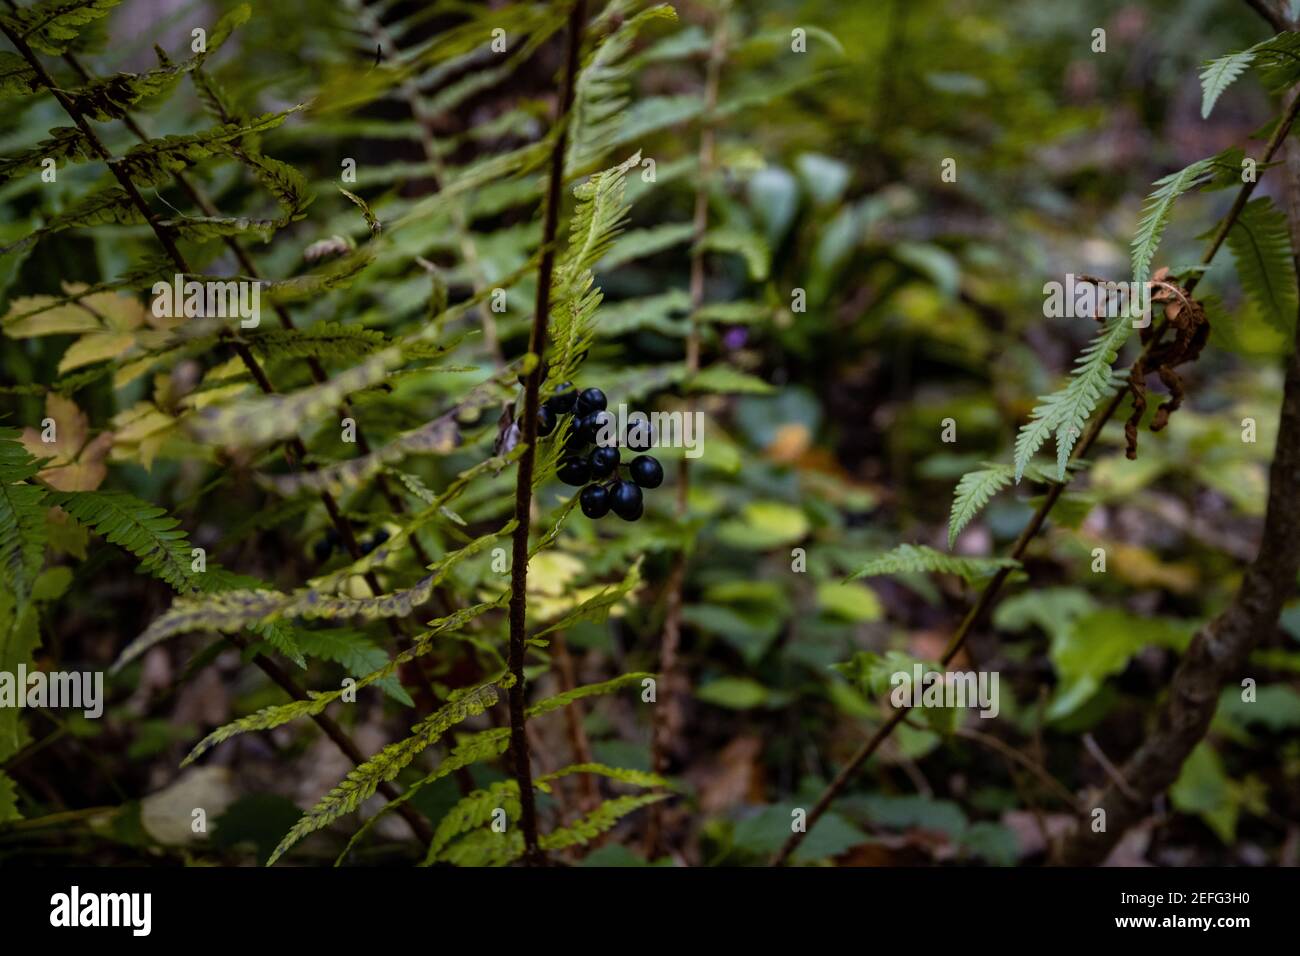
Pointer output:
x,y
1065,413
474,810
231,609
278,714
598,218
1155,214
50,26
1261,247
974,491
360,784
912,558
225,611
472,749
22,520
271,417
1219,74
601,90
601,820
636,778
585,691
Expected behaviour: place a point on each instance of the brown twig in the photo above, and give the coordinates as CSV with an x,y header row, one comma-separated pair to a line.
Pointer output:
x,y
1038,518
528,435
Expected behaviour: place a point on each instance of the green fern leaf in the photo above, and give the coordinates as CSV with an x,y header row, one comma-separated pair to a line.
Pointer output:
x,y
1219,74
50,26
1156,212
472,749
1261,247
17,78
22,520
601,91
601,820
913,558
1065,412
326,341
974,491
585,691
362,782
144,530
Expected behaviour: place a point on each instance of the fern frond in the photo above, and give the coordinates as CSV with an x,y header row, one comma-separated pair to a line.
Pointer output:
x,y
146,531
153,162
108,205
912,558
22,520
50,26
601,820
472,749
974,491
601,91
472,811
585,691
1065,412
1261,247
326,340
67,144
1219,74
1156,210
110,97
274,716
362,782
17,78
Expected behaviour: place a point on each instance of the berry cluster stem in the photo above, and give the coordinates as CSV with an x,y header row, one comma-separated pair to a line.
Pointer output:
x,y
528,435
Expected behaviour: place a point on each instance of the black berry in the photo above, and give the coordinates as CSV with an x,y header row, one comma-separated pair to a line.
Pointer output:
x,y
545,421
591,424
603,462
640,436
646,471
565,397
577,442
574,471
591,400
626,501
322,548
595,501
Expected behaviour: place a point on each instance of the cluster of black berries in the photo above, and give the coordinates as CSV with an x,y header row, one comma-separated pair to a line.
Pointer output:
x,y
582,464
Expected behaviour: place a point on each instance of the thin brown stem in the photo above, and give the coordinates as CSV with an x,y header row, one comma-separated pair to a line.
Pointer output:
x,y
528,435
